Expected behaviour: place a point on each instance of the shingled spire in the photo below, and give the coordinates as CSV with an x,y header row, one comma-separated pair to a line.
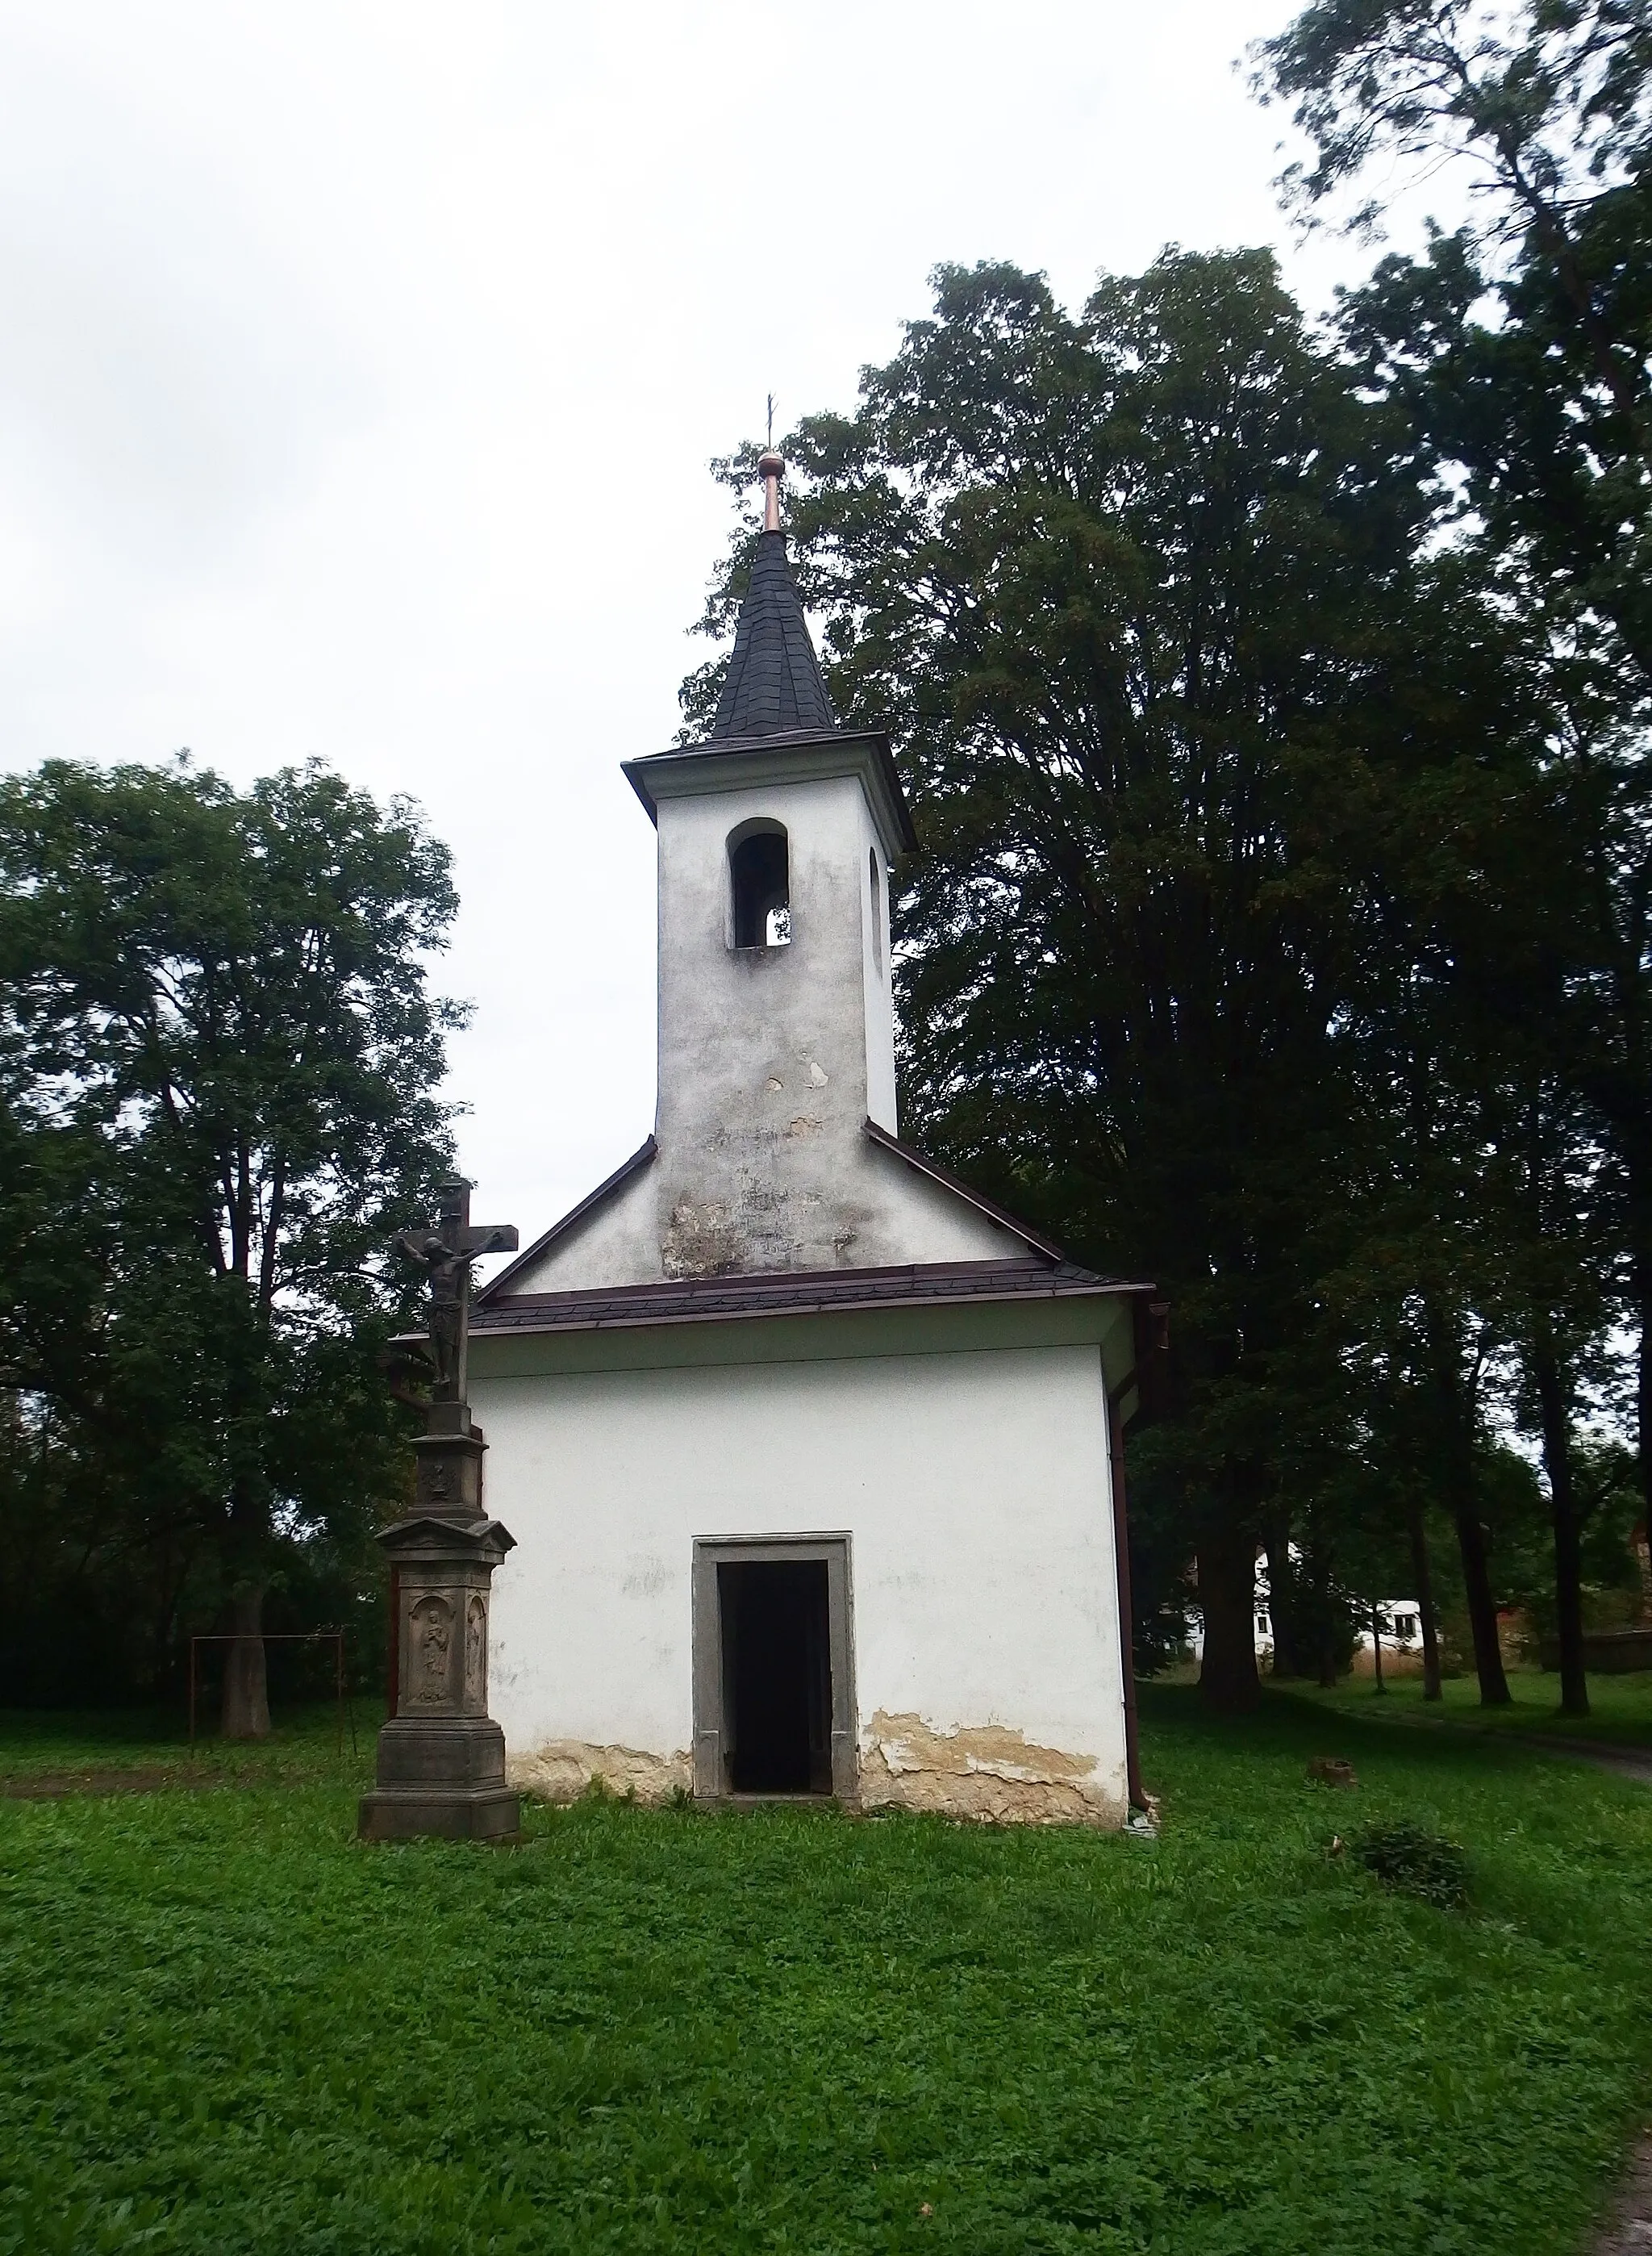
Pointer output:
x,y
774,686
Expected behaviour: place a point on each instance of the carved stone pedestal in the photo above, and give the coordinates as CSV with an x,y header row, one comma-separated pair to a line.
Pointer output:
x,y
441,1758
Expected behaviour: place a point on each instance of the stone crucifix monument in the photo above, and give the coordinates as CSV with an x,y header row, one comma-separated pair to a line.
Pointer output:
x,y
441,1758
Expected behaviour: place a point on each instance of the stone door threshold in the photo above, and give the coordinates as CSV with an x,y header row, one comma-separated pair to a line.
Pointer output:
x,y
776,1801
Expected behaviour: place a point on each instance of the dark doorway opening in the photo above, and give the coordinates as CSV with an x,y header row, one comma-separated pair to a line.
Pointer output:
x,y
776,1664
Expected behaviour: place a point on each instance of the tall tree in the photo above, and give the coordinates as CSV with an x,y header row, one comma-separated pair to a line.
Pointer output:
x,y
224,1058
1454,962
1521,348
1141,594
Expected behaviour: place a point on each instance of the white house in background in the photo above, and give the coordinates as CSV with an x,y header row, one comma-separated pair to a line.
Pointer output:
x,y
1400,1619
808,1450
1401,1622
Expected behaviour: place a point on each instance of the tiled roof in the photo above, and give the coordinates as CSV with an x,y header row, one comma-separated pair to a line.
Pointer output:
x,y
815,1291
774,685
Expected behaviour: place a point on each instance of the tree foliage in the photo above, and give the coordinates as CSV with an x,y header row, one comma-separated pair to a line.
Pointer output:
x,y
1221,769
220,1058
1520,350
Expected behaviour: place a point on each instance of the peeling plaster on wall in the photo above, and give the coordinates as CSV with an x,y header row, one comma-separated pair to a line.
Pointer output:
x,y
760,1228
771,1060
702,1241
562,1769
989,1773
759,1216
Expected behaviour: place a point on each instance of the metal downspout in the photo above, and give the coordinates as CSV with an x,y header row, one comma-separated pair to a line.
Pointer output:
x,y
1126,1628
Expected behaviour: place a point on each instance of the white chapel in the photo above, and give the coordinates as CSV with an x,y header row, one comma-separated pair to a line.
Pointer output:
x,y
810,1455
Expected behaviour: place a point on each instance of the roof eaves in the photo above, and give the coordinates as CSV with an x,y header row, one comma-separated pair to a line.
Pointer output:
x,y
656,1318
635,771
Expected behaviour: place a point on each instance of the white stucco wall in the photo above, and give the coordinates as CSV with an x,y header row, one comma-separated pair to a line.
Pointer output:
x,y
618,1243
897,1216
974,1486
767,1057
770,1061
877,980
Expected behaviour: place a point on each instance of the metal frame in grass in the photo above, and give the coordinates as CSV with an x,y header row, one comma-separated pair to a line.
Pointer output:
x,y
333,1637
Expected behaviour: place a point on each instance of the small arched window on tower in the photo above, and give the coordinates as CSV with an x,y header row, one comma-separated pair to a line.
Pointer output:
x,y
876,876
760,885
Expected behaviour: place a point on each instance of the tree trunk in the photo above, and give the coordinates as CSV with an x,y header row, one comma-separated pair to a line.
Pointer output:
x,y
1423,1578
1641,1275
1482,1612
246,1710
1228,1684
1376,1644
1282,1600
1563,1504
1327,1655
1316,1619
1455,1431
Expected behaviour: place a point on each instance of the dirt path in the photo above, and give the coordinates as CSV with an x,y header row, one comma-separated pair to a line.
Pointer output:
x,y
1628,1762
1632,1762
1628,2230
159,1778
54,1785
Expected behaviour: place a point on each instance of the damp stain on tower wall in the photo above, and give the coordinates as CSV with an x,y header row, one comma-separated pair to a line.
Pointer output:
x,y
757,1231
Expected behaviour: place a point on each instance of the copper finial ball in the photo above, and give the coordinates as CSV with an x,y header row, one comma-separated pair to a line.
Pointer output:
x,y
770,470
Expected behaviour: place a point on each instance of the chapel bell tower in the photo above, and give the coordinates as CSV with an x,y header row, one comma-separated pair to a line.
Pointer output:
x,y
777,837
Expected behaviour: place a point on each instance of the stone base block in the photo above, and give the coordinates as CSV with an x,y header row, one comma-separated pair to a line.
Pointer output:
x,y
440,1778
440,1814
441,1752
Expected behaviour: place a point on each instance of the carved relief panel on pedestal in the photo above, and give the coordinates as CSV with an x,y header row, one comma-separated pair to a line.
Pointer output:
x,y
476,1655
428,1649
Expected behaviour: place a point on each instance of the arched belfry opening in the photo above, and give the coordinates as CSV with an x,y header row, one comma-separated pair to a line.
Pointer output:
x,y
760,885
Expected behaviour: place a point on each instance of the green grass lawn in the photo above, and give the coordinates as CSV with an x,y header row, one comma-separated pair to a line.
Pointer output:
x,y
224,2026
1621,1707
146,1746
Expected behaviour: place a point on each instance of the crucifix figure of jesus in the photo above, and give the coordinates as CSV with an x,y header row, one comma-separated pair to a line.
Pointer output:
x,y
447,1253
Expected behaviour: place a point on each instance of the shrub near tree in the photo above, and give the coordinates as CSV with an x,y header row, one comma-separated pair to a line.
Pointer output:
x,y
1201,737
220,1057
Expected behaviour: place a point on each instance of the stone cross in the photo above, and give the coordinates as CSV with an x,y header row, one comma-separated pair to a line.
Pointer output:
x,y
447,1253
441,1758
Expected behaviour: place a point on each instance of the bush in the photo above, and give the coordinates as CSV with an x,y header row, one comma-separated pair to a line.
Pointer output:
x,y
1409,1858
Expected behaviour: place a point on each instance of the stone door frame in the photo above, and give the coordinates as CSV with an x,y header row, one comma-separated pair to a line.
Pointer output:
x,y
711,1552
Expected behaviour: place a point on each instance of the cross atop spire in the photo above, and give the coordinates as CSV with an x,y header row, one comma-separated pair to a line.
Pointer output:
x,y
774,686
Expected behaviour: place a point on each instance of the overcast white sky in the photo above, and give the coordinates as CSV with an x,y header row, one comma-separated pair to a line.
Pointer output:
x,y
360,365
